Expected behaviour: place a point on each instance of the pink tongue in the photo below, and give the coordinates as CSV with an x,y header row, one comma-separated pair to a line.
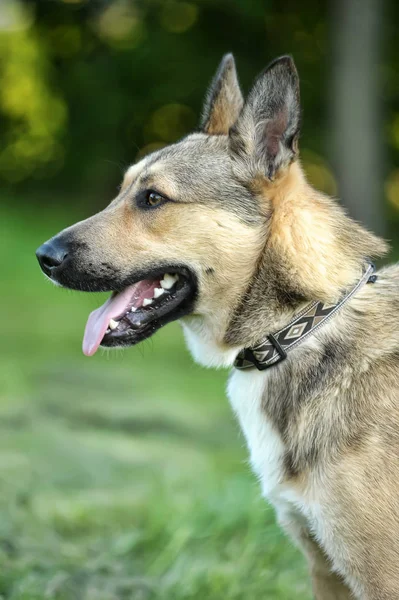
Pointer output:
x,y
113,308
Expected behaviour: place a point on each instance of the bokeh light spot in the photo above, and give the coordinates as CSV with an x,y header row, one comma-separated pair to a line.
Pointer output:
x,y
15,16
392,188
178,17
172,121
319,173
149,148
119,25
35,115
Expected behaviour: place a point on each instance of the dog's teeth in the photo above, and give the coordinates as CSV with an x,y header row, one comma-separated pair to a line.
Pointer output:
x,y
147,301
133,309
108,330
169,281
113,324
158,292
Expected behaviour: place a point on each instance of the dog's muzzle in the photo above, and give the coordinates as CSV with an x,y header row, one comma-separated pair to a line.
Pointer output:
x,y
142,300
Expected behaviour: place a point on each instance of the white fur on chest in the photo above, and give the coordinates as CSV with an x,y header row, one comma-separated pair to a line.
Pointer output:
x,y
203,348
246,391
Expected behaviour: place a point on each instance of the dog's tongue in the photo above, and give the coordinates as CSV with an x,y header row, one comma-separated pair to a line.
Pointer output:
x,y
114,307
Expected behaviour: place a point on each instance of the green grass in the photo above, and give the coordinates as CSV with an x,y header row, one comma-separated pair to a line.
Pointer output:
x,y
123,476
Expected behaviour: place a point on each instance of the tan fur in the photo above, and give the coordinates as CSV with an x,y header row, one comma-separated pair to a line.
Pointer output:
x,y
224,100
307,230
205,236
327,585
131,174
352,421
305,224
262,243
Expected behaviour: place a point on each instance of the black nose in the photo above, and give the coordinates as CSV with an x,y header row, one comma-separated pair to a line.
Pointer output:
x,y
51,255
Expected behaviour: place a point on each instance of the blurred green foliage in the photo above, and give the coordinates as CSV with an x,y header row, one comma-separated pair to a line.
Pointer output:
x,y
86,87
124,476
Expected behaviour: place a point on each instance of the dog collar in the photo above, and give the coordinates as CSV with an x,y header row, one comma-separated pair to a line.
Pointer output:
x,y
274,347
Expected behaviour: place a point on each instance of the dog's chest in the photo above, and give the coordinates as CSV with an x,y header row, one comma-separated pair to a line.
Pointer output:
x,y
246,391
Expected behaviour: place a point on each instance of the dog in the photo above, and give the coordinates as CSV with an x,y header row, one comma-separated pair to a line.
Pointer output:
x,y
270,277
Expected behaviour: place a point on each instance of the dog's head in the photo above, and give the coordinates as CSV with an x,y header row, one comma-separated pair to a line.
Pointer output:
x,y
186,233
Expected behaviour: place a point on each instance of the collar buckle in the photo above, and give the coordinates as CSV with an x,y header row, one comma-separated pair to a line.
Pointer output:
x,y
282,353
251,356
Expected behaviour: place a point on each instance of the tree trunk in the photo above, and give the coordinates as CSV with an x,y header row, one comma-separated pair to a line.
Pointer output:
x,y
356,127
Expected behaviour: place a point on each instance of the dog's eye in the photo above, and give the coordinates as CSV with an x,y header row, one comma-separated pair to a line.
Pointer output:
x,y
153,199
149,199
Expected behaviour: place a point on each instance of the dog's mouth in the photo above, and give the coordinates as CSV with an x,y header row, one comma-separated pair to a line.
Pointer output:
x,y
136,312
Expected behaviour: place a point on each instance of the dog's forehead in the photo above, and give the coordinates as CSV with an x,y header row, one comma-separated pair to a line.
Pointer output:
x,y
194,161
196,169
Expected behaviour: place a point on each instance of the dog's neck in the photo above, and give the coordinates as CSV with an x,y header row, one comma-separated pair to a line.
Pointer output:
x,y
313,251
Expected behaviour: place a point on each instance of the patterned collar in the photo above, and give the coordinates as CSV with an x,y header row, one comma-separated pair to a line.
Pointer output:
x,y
273,348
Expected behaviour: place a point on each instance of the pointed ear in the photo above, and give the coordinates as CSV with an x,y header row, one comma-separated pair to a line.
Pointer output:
x,y
267,130
224,100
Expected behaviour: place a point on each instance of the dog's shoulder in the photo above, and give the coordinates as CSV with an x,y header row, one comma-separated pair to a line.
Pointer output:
x,y
389,277
374,318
